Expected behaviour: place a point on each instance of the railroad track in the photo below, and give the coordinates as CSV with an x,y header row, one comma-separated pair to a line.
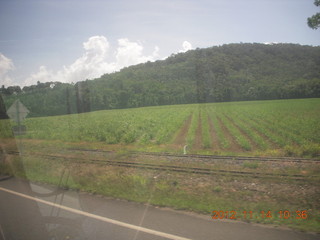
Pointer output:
x,y
205,157
212,157
174,168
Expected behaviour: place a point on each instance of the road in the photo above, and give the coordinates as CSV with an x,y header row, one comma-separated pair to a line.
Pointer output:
x,y
38,211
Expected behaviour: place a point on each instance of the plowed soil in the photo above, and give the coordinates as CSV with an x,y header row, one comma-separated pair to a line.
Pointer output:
x,y
180,139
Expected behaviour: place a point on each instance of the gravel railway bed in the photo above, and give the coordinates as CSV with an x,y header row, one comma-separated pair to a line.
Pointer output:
x,y
161,167
212,157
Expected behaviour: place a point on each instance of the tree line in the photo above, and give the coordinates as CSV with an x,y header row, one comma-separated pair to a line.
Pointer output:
x,y
231,72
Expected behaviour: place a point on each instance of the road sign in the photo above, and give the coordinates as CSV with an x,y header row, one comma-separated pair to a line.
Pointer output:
x,y
17,112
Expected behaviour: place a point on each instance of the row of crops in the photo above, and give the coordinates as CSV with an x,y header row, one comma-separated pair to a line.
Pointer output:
x,y
233,127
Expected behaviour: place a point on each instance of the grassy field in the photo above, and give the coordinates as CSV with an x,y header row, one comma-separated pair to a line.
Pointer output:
x,y
259,128
268,128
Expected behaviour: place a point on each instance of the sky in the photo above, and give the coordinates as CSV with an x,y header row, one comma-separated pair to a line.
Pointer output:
x,y
75,40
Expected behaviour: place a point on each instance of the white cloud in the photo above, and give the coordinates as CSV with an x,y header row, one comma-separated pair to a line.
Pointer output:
x,y
186,46
130,53
93,63
43,75
270,43
6,65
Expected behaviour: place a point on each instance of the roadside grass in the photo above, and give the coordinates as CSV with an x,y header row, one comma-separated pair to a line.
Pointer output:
x,y
252,165
5,169
5,129
182,191
188,191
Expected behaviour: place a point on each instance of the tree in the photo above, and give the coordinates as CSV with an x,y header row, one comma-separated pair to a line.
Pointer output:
x,y
3,112
68,100
231,72
83,96
314,21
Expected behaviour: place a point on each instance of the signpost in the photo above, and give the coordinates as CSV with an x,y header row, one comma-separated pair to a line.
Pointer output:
x,y
18,112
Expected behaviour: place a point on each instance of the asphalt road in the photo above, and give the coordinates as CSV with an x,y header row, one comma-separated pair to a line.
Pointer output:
x,y
34,211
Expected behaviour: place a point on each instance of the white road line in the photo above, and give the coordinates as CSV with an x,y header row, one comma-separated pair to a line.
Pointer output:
x,y
104,219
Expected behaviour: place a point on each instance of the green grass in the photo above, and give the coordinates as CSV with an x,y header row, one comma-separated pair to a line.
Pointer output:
x,y
5,129
241,139
253,134
192,129
223,141
206,138
252,165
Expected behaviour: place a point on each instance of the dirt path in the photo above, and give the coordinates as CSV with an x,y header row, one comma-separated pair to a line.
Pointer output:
x,y
215,142
180,139
198,138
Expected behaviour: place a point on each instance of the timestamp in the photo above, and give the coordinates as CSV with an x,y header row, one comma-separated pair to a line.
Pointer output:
x,y
282,214
224,214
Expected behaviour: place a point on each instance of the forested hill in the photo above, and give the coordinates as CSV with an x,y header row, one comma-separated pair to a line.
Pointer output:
x,y
230,72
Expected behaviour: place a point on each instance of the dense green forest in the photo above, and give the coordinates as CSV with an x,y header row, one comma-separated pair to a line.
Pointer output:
x,y
231,72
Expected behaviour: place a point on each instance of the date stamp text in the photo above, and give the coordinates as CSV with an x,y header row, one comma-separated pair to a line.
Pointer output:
x,y
282,214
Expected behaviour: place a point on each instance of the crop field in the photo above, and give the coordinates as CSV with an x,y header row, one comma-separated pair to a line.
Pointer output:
x,y
267,128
